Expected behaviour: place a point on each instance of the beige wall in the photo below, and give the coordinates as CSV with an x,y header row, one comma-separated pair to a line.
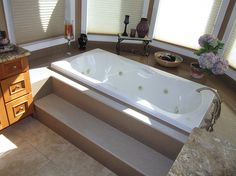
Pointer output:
x,y
3,25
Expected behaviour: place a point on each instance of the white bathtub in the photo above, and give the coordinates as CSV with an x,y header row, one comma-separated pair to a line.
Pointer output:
x,y
165,96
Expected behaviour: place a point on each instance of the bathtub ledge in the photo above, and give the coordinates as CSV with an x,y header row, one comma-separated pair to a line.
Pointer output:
x,y
208,155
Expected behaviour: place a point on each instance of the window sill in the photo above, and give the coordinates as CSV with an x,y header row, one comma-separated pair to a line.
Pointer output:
x,y
231,73
174,48
33,46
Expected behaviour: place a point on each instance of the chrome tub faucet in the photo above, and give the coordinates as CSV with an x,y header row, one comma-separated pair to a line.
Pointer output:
x,y
215,114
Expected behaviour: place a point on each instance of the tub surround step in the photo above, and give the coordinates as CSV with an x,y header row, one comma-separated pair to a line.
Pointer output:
x,y
122,117
116,150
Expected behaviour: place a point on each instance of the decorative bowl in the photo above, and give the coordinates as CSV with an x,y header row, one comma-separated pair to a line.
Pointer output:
x,y
174,61
196,71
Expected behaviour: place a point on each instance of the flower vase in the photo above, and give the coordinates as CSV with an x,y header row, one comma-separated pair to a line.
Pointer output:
x,y
142,28
196,70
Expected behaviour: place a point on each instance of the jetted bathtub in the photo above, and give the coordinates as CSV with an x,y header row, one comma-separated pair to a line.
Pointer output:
x,y
162,95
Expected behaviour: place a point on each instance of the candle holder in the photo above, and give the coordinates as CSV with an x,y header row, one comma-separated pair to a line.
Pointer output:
x,y
68,34
126,21
132,32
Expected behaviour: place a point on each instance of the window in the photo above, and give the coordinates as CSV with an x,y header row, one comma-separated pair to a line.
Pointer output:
x,y
107,16
182,22
37,19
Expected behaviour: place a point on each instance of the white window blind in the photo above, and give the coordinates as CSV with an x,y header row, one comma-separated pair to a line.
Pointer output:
x,y
182,22
230,47
107,16
37,19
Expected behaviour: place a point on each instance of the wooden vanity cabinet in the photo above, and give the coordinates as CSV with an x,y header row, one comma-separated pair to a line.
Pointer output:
x,y
3,115
13,67
15,96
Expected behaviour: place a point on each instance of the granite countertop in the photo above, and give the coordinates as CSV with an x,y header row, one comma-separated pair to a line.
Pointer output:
x,y
16,54
205,154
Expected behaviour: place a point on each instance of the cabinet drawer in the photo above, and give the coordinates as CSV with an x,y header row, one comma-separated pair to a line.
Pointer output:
x,y
3,116
19,108
16,86
13,67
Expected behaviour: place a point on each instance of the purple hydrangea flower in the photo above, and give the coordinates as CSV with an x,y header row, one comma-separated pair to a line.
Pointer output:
x,y
206,38
213,42
220,66
207,60
208,55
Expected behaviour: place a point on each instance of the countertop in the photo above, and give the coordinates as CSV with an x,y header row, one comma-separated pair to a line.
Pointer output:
x,y
205,154
17,53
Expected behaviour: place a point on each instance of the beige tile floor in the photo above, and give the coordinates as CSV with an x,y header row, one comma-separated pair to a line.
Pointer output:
x,y
29,148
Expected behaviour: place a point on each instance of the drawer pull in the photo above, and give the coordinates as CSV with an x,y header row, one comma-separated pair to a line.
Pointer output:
x,y
20,109
16,88
14,66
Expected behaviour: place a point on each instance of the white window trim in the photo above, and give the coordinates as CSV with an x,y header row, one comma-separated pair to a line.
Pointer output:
x,y
177,49
9,21
41,44
231,73
84,20
105,38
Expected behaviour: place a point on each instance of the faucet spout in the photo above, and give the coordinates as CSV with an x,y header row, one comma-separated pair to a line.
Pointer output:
x,y
216,111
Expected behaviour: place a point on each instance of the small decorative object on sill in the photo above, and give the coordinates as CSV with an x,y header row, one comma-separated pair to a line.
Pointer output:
x,y
5,45
82,40
142,28
209,58
132,32
69,32
126,21
2,35
167,59
3,39
196,70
